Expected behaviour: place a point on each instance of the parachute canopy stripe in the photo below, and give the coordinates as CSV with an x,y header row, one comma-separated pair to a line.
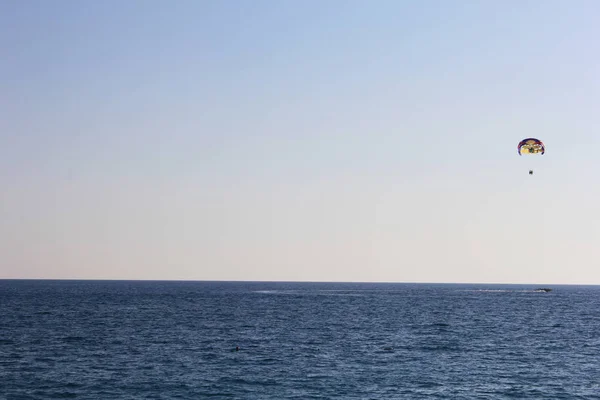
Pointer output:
x,y
531,146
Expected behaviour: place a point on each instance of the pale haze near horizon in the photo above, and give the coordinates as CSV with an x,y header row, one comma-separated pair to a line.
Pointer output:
x,y
299,140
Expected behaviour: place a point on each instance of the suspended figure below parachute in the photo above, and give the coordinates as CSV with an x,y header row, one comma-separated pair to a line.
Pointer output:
x,y
531,146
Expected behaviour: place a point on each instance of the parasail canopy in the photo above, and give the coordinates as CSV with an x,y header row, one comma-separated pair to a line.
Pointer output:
x,y
531,146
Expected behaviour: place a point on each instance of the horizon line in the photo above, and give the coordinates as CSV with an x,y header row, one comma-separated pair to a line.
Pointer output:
x,y
289,281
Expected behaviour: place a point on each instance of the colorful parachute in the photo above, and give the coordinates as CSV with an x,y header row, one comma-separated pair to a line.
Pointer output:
x,y
531,146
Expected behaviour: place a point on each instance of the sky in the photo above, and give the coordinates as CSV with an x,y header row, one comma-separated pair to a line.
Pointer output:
x,y
339,140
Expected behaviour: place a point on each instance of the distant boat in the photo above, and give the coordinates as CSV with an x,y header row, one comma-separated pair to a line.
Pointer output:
x,y
546,290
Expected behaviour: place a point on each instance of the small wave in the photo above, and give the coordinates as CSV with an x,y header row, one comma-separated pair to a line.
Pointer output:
x,y
64,395
439,347
43,359
70,339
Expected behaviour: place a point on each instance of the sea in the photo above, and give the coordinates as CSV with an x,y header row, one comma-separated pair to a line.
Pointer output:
x,y
283,340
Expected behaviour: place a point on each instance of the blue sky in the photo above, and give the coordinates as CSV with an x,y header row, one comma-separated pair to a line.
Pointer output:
x,y
299,140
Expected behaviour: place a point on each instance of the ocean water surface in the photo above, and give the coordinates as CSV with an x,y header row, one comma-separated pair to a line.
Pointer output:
x,y
177,340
